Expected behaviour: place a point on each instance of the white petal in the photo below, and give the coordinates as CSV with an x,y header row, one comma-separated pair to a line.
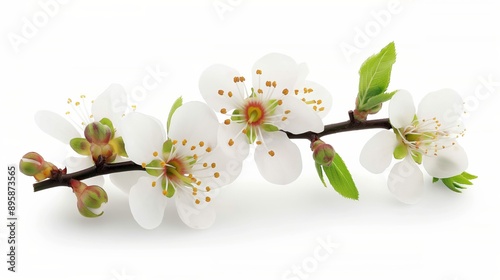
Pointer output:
x,y
401,109
301,118
194,217
195,122
125,180
275,67
220,77
406,181
110,104
303,72
228,169
377,153
448,162
445,105
147,203
143,135
319,93
56,126
240,149
286,164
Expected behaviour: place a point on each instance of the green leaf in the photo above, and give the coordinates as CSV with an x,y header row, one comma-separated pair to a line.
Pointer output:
x,y
340,178
377,99
155,168
175,106
457,183
320,173
118,146
375,75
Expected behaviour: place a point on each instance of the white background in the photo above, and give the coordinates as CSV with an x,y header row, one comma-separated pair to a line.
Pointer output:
x,y
262,230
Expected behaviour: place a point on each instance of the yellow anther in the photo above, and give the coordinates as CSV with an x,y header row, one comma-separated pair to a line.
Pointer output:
x,y
283,119
309,90
259,72
216,175
68,112
242,79
230,94
207,199
274,84
280,102
220,92
184,142
271,153
268,83
207,189
69,100
260,91
195,157
153,183
296,92
77,103
197,201
287,112
208,149
155,154
193,147
258,142
230,142
285,91
165,192
198,183
205,164
321,109
174,142
213,165
223,111
315,108
227,121
236,79
319,101
143,165
201,143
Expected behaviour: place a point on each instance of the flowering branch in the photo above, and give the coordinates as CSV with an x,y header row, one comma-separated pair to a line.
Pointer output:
x,y
103,168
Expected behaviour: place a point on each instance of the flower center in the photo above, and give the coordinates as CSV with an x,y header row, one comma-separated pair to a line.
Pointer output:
x,y
254,113
176,170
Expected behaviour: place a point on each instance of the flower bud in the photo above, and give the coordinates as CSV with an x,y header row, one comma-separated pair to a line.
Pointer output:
x,y
90,199
323,153
98,133
33,164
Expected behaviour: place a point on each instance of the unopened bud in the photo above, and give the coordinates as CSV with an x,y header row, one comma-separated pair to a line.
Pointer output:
x,y
323,153
33,164
90,199
98,133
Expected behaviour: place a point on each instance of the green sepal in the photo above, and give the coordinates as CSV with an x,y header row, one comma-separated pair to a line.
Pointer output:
x,y
80,145
84,211
109,123
374,78
118,146
155,168
251,134
457,183
320,173
340,178
236,116
417,157
269,127
400,152
271,106
175,106
170,190
168,147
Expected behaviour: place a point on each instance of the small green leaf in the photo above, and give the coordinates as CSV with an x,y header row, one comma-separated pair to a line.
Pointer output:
x,y
170,190
175,106
80,145
236,116
375,75
168,147
340,178
400,152
320,173
251,134
374,101
457,183
155,168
